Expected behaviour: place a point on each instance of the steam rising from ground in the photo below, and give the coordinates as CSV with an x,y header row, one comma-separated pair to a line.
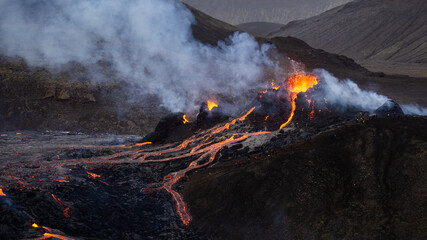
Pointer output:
x,y
149,43
346,93
414,109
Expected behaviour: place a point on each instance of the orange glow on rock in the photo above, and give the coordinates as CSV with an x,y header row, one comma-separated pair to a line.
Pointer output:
x,y
2,193
64,207
93,175
211,105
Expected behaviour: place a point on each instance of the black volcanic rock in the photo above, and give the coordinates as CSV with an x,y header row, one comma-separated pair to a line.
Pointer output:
x,y
389,108
360,181
165,128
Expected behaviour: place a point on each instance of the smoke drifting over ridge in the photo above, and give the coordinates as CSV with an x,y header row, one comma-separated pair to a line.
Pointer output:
x,y
346,93
149,43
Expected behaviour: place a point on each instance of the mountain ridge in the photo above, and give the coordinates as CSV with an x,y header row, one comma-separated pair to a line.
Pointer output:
x,y
374,33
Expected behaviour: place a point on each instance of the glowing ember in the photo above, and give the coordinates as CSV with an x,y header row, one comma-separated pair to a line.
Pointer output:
x,y
93,175
184,119
35,225
296,84
1,193
211,105
65,212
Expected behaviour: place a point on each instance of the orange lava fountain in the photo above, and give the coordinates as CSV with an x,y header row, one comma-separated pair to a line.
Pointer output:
x,y
211,105
296,84
184,119
2,193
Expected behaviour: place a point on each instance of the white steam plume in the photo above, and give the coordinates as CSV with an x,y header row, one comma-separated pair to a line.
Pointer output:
x,y
346,93
413,109
149,43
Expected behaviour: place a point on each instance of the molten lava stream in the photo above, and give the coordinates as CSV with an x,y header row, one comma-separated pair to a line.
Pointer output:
x,y
211,154
296,84
208,150
51,235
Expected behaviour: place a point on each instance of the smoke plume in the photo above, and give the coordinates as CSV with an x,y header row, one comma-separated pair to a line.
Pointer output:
x,y
148,42
346,93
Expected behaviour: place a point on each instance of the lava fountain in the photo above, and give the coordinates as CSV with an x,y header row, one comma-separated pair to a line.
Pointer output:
x,y
296,84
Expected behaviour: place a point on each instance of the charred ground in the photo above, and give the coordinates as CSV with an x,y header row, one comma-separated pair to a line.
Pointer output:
x,y
359,181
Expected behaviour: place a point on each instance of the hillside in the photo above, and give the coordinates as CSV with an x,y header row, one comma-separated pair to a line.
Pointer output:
x,y
382,35
259,28
356,182
274,11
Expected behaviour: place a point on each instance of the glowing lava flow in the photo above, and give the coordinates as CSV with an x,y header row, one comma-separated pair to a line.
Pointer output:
x,y
296,84
51,235
2,193
65,208
211,105
198,163
205,152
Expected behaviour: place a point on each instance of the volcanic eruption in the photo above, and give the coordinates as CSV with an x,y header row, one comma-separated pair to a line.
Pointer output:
x,y
236,99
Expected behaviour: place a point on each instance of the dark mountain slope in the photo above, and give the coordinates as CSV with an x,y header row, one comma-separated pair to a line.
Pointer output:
x,y
341,66
275,11
355,182
259,28
369,31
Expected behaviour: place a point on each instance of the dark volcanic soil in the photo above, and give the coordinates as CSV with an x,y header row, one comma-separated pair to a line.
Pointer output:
x,y
361,181
35,165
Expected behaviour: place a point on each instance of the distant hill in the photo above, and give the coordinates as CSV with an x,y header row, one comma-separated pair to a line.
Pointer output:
x,y
379,34
259,28
275,11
